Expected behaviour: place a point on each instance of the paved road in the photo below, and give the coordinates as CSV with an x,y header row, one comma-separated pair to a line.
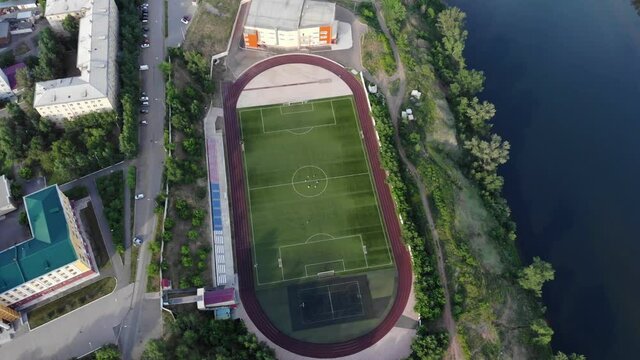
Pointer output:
x,y
178,30
74,334
144,318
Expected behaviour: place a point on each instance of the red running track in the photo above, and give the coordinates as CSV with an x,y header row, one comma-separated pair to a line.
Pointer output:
x,y
241,225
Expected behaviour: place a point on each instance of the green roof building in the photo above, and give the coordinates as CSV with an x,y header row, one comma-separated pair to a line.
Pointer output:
x,y
52,258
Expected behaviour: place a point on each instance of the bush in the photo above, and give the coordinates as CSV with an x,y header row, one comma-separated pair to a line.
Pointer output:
x,y
131,178
169,223
197,217
183,208
23,219
25,172
192,235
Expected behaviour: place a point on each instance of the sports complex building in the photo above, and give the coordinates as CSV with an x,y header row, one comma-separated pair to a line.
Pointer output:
x,y
322,269
290,24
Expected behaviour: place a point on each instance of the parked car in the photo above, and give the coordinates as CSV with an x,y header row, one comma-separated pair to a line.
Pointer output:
x,y
144,103
137,241
144,122
144,20
139,196
144,111
144,97
144,46
185,20
145,29
144,67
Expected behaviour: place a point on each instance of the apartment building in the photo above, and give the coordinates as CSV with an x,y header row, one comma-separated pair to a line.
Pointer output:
x,y
56,256
96,87
290,24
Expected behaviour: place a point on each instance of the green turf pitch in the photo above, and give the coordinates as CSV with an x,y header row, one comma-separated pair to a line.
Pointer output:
x,y
312,203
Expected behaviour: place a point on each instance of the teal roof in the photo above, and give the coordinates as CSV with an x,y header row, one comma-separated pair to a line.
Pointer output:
x,y
50,247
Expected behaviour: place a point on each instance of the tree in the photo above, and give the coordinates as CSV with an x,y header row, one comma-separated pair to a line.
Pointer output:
x,y
535,275
428,346
192,235
25,172
108,352
71,25
450,23
477,113
562,356
394,14
542,331
197,217
50,61
467,83
7,58
155,350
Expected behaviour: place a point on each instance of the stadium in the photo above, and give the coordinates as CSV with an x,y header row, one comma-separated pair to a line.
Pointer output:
x,y
322,268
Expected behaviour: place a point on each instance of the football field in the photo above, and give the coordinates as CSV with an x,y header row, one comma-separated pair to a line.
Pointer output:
x,y
313,207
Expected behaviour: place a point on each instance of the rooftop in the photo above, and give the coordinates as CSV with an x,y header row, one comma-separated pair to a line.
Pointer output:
x,y
4,29
93,56
316,13
5,192
11,71
50,247
275,14
57,7
16,3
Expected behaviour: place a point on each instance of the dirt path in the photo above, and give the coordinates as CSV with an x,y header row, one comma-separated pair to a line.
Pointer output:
x,y
394,103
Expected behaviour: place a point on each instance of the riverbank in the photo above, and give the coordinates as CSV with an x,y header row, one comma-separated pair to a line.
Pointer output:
x,y
493,313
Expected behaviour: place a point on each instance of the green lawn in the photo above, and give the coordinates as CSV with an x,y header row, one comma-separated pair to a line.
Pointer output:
x,y
70,302
312,202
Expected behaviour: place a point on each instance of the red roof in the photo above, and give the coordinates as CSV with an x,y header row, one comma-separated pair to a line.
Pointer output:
x,y
165,283
213,297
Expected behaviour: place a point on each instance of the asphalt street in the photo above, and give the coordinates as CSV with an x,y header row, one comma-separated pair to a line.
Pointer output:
x,y
144,315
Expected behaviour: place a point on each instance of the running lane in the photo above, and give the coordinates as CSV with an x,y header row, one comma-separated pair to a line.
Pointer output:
x,y
241,225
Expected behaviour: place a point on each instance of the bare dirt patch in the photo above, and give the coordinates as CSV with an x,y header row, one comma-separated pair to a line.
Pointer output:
x,y
210,29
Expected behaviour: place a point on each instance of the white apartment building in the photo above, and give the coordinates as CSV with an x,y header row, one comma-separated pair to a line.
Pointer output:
x,y
96,87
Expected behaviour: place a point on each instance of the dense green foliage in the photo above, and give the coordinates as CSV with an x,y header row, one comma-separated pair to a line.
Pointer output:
x,y
428,291
428,346
535,275
107,352
111,189
50,56
7,58
130,35
542,332
81,148
199,336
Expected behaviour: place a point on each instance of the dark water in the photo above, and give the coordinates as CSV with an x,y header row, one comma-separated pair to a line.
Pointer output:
x,y
565,78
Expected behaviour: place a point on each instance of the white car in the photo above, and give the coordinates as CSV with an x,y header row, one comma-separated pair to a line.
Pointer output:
x,y
144,122
139,196
185,20
144,46
144,103
137,241
144,98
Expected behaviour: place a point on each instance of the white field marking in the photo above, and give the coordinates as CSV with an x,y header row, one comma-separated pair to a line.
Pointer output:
x,y
246,176
317,234
306,277
301,133
325,262
332,311
326,184
281,264
331,303
364,255
335,121
324,240
297,112
373,187
301,182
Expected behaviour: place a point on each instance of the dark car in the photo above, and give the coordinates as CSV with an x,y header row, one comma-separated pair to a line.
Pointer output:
x,y
144,111
146,29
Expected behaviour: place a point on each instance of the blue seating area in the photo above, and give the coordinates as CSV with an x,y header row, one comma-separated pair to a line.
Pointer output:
x,y
216,210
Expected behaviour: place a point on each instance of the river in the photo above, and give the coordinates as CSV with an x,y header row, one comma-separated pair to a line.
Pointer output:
x,y
565,78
